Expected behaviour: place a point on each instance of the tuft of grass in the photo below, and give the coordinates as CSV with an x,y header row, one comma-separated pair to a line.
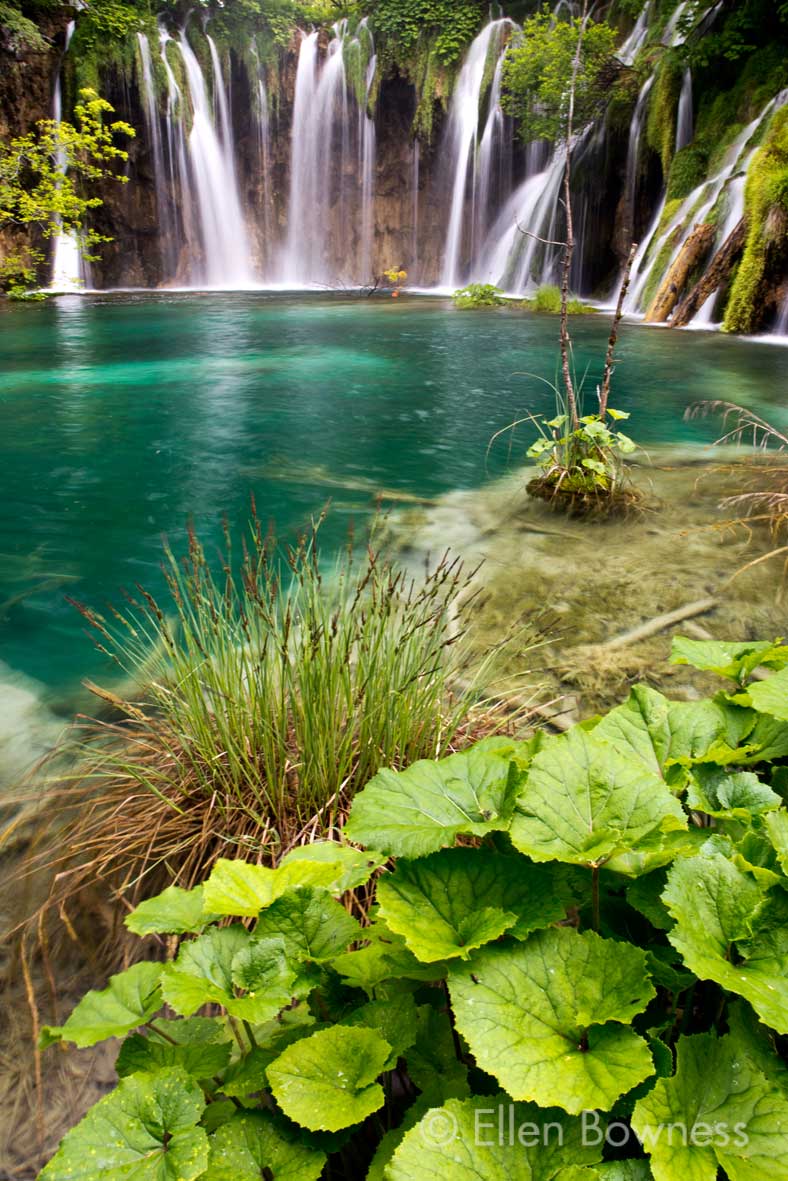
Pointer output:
x,y
548,299
271,693
764,503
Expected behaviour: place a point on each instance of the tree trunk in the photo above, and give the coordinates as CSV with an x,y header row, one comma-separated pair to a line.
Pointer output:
x,y
715,276
691,254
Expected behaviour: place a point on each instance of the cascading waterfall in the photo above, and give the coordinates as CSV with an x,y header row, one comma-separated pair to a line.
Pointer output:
x,y
263,119
69,270
684,119
178,167
633,148
414,205
781,327
330,212
462,145
168,237
368,152
494,160
637,38
223,231
693,210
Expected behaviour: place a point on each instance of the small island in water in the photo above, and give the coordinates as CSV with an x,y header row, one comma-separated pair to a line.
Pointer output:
x,y
393,583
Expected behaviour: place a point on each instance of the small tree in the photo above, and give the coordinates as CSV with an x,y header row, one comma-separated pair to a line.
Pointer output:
x,y
556,78
43,178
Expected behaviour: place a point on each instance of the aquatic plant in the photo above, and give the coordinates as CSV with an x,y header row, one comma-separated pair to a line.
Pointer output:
x,y
478,295
548,299
265,697
576,961
764,503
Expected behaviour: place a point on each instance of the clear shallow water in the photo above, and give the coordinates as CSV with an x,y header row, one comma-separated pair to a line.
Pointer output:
x,y
122,416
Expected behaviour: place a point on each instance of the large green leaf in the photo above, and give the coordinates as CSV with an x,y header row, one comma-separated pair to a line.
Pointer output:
x,y
491,1138
199,1045
384,958
173,912
327,1081
250,1143
312,924
426,807
453,901
729,795
729,659
548,1018
130,999
584,801
395,1019
432,1059
145,1130
771,696
722,913
242,889
777,828
717,1111
757,1043
251,980
352,867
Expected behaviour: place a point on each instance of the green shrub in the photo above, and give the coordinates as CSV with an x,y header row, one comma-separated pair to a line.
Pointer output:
x,y
478,295
599,964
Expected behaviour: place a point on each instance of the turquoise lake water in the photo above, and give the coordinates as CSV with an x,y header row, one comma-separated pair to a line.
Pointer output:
x,y
122,416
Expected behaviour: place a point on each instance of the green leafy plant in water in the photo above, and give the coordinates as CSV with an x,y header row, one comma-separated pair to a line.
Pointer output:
x,y
478,295
580,939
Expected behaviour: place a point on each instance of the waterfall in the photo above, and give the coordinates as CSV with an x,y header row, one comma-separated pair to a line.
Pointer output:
x,y
637,38
633,149
694,210
168,238
330,213
68,266
684,120
263,118
461,145
494,159
512,257
781,327
368,152
413,265
223,232
178,167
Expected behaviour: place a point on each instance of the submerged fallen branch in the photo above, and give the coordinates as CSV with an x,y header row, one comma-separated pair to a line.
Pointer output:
x,y
654,626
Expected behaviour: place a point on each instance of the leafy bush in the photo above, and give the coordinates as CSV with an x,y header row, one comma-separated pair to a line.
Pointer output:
x,y
451,23
591,985
265,698
478,295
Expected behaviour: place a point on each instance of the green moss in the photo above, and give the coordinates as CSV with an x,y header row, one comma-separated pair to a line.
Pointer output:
x,y
661,123
688,170
660,265
767,188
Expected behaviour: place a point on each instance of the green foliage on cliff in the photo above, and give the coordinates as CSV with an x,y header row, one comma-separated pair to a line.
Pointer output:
x,y
44,176
448,25
767,189
661,123
19,32
539,67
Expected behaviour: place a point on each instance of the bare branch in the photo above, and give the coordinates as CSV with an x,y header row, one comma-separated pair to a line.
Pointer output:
x,y
611,344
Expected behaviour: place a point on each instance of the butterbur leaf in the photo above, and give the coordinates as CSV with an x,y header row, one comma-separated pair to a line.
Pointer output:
x,y
241,889
378,1170
432,1059
727,795
202,1052
385,958
173,912
351,867
723,914
492,1138
757,1043
453,901
311,923
130,999
145,1129
777,828
326,1082
252,1142
584,801
217,966
737,661
427,806
645,895
395,1019
546,1018
770,696
718,1111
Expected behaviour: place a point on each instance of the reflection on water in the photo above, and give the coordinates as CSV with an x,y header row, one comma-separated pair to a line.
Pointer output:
x,y
122,416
